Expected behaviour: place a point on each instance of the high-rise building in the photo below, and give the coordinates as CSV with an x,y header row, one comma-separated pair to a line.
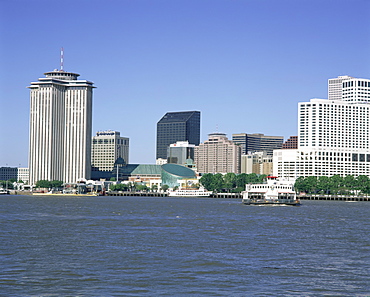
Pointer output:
x,y
177,126
60,127
107,147
218,154
335,87
257,142
333,136
180,152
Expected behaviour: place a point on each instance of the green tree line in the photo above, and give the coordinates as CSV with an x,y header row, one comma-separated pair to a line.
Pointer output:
x,y
230,182
49,184
334,185
7,183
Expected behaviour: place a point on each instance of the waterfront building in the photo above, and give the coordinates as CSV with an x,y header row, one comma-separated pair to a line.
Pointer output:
x,y
258,142
177,126
257,162
140,173
180,152
107,147
174,175
7,173
60,127
333,136
23,175
217,155
291,143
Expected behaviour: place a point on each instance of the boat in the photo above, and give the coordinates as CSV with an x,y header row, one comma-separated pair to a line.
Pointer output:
x,y
3,191
189,192
273,192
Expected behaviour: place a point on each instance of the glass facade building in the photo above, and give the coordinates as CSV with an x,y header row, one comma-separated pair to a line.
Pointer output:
x,y
256,142
177,126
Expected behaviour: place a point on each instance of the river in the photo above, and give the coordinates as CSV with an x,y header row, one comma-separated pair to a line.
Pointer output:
x,y
141,246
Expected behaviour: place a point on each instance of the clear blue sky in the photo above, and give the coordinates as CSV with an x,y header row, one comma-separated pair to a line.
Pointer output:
x,y
244,64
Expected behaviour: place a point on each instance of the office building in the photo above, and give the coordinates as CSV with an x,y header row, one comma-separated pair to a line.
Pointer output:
x,y
24,175
177,126
257,142
217,155
258,163
335,87
7,173
60,127
107,147
291,143
180,152
333,136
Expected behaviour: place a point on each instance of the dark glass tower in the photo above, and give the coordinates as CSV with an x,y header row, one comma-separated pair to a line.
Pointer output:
x,y
257,142
177,126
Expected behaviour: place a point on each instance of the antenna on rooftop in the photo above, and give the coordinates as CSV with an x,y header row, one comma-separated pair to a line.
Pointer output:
x,y
61,58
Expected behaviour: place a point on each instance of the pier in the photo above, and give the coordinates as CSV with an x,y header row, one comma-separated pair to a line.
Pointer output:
x,y
334,197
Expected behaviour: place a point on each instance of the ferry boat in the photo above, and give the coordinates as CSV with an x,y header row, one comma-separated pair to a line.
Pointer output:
x,y
201,192
272,192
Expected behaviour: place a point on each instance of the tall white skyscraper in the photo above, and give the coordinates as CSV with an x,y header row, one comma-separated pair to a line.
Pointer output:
x,y
60,128
333,135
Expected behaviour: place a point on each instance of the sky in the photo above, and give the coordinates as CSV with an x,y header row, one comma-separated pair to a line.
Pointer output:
x,y
243,64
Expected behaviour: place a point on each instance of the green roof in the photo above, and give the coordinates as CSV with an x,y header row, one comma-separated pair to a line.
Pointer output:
x,y
178,170
140,169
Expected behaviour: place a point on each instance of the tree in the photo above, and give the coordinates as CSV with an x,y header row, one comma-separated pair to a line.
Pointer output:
x,y
300,184
363,183
229,181
218,182
56,184
241,180
119,187
206,181
311,184
323,184
336,183
154,188
141,187
43,183
165,188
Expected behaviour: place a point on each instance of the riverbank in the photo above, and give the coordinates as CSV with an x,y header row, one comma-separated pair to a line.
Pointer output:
x,y
222,195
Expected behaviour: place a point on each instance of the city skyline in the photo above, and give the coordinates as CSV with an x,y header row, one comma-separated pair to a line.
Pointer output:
x,y
244,64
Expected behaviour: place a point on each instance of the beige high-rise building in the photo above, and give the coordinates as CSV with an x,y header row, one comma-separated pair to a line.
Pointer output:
x,y
60,128
217,155
107,147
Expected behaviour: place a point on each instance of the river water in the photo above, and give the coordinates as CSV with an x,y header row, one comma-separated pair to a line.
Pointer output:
x,y
140,246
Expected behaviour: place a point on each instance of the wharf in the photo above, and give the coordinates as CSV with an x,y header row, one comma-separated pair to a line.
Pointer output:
x,y
159,194
334,197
